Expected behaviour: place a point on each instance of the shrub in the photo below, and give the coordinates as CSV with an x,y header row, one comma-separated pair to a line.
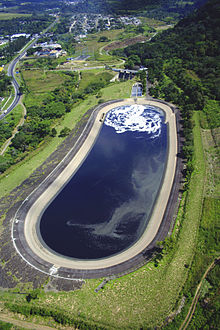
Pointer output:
x,y
64,132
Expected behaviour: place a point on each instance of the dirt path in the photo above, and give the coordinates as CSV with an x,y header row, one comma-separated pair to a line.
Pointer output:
x,y
15,131
24,324
196,297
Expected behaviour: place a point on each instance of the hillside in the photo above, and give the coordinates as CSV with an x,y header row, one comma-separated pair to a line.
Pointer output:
x,y
188,54
160,9
150,8
140,5
31,6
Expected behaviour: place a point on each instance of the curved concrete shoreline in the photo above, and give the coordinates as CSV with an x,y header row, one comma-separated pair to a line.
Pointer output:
x,y
26,227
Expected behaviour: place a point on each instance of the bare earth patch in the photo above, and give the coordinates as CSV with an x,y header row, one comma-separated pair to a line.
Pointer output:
x,y
125,43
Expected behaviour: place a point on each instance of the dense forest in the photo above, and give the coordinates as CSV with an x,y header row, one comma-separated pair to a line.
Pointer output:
x,y
153,8
30,25
31,6
186,56
140,5
5,82
9,51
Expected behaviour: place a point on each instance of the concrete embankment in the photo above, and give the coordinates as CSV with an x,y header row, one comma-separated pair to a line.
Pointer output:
x,y
25,231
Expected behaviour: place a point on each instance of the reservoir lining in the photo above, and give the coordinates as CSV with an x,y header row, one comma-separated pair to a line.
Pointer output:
x,y
33,208
106,205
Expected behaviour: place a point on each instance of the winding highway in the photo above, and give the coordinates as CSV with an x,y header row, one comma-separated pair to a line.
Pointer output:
x,y
11,71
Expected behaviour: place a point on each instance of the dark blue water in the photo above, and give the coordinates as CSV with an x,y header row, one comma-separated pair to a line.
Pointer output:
x,y
106,205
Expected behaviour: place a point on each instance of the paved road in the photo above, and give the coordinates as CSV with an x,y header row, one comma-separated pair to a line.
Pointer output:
x,y
11,70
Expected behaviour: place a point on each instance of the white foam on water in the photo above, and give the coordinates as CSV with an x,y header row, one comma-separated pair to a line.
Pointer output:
x,y
133,118
137,118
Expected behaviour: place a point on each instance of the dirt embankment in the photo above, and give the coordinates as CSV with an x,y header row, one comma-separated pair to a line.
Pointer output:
x,y
124,43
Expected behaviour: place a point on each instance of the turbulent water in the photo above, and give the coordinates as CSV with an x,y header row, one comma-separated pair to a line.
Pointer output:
x,y
135,118
106,205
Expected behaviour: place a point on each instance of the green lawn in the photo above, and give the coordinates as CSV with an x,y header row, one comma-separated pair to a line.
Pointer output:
x,y
89,77
152,22
40,81
9,16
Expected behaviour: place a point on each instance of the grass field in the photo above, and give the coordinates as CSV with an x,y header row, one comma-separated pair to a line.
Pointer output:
x,y
91,63
40,81
145,298
91,42
89,77
32,99
9,16
208,245
151,22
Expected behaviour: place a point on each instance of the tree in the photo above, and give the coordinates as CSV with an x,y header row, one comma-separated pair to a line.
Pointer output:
x,y
140,29
53,132
54,110
4,164
33,295
31,51
129,64
5,82
103,39
64,132
42,128
19,141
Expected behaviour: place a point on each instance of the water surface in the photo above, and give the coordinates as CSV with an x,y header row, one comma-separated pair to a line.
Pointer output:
x,y
106,205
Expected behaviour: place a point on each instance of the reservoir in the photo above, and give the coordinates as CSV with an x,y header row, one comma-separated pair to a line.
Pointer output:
x,y
106,205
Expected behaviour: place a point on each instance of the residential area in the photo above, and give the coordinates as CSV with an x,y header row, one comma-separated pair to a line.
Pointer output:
x,y
82,24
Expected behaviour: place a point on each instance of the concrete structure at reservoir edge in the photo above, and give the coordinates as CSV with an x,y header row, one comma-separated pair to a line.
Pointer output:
x,y
25,228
